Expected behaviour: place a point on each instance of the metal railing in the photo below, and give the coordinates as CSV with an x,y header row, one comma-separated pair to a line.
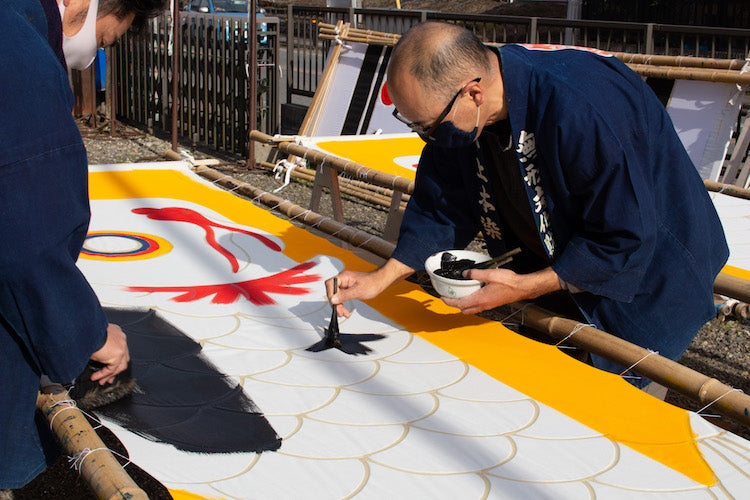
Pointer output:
x,y
212,94
213,84
306,52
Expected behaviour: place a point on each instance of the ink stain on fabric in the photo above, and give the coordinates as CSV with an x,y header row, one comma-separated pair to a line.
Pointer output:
x,y
181,398
350,343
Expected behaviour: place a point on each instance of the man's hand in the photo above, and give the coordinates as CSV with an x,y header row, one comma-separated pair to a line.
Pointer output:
x,y
364,286
503,287
114,354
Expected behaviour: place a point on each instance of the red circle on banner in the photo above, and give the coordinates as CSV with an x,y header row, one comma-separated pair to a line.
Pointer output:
x,y
384,95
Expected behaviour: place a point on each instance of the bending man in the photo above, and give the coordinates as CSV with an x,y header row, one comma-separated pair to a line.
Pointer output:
x,y
51,321
567,154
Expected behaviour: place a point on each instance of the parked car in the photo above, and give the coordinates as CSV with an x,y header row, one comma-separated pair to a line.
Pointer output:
x,y
229,8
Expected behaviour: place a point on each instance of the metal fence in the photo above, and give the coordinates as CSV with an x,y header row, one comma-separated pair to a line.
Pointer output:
x,y
306,52
213,95
213,84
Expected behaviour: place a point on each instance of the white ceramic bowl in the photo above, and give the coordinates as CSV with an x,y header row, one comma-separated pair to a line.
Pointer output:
x,y
448,287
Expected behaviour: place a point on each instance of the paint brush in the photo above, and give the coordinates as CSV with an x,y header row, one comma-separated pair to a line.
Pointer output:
x,y
332,334
498,261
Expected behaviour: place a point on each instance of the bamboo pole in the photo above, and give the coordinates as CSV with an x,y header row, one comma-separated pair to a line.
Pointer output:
x,y
348,186
385,192
96,464
706,75
344,166
671,67
722,398
356,237
680,61
732,286
310,121
727,189
361,193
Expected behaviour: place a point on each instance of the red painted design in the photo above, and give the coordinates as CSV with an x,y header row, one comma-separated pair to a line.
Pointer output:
x,y
384,95
552,47
178,214
256,291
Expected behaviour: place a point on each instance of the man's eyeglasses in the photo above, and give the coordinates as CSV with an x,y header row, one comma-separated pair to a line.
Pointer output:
x,y
426,133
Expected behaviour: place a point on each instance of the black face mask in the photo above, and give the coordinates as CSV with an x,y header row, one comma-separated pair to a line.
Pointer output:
x,y
447,135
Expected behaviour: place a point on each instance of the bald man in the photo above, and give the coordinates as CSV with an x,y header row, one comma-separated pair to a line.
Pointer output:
x,y
567,154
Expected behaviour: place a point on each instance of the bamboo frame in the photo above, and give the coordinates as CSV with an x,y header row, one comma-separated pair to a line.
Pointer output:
x,y
312,117
341,165
671,67
706,75
347,186
680,61
98,467
727,189
701,388
732,286
730,402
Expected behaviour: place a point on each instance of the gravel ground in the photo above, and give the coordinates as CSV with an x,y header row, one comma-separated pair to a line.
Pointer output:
x,y
721,349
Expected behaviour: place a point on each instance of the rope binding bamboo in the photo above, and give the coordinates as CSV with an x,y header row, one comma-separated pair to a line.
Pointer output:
x,y
96,464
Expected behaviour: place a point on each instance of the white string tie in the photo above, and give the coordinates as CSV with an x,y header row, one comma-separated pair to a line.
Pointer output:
x,y
337,38
301,214
188,157
280,167
317,224
519,310
366,241
650,352
76,461
221,179
715,400
575,330
67,403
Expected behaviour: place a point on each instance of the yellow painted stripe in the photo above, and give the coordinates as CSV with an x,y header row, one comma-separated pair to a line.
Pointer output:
x,y
737,272
186,495
377,154
602,401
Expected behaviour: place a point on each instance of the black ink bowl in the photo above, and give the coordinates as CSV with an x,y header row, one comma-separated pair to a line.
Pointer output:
x,y
452,287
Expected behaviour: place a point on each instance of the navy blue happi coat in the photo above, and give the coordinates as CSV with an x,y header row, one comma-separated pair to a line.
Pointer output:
x,y
619,208
50,319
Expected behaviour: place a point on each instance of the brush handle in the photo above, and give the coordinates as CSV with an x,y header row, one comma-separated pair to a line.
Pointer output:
x,y
497,261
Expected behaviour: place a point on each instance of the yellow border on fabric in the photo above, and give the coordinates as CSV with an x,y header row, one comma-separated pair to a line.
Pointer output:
x,y
737,272
186,495
599,400
377,154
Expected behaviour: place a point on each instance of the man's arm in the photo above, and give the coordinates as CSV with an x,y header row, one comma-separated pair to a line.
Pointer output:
x,y
364,286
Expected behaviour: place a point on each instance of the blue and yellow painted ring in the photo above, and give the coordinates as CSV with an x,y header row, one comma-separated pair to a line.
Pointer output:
x,y
120,245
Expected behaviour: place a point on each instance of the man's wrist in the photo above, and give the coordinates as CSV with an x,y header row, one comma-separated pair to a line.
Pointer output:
x,y
543,282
